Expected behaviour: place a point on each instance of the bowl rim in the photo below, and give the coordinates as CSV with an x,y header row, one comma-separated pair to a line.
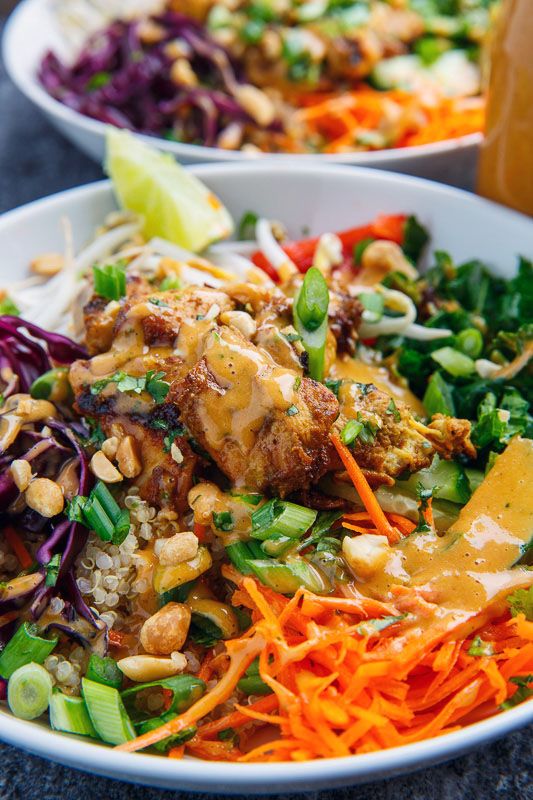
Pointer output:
x,y
30,87
257,778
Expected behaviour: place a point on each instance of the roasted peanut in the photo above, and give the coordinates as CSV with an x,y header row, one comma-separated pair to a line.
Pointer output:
x,y
166,630
102,467
151,668
182,74
45,497
21,473
110,446
48,264
256,103
128,457
240,320
180,547
381,257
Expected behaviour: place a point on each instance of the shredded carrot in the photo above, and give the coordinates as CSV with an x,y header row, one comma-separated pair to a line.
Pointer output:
x,y
364,491
19,548
177,752
238,718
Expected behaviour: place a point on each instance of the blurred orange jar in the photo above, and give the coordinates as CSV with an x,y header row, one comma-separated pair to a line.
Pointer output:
x,y
506,162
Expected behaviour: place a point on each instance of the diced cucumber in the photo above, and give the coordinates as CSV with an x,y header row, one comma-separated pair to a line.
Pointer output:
x,y
398,72
447,479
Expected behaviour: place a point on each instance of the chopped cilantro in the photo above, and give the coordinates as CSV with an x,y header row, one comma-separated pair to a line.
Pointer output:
x,y
333,385
424,496
392,408
156,301
521,602
480,648
151,382
223,520
292,337
522,693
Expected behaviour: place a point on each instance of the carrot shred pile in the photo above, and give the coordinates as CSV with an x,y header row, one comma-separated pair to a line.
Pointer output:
x,y
388,118
340,686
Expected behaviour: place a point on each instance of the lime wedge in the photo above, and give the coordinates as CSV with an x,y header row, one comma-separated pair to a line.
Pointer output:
x,y
173,203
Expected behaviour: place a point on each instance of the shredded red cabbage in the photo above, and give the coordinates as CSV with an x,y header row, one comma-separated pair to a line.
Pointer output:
x,y
120,80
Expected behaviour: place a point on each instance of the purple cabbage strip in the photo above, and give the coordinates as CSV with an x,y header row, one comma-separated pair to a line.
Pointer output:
x,y
118,79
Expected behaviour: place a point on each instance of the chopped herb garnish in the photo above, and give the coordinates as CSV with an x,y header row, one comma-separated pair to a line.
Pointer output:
x,y
228,735
292,410
521,602
392,408
223,520
151,382
480,648
292,337
424,496
156,301
522,693
52,570
333,385
98,81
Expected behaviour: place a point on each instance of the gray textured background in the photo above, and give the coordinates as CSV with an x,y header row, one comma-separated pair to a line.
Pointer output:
x,y
34,162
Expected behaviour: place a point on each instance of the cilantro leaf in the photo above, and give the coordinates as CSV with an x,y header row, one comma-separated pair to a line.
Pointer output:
x,y
480,648
223,520
371,626
52,570
521,602
522,693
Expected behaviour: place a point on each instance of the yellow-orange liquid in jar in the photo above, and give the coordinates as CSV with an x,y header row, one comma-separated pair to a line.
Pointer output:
x,y
506,161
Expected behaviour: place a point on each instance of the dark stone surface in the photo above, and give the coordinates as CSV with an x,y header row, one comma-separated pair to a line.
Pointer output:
x,y
35,161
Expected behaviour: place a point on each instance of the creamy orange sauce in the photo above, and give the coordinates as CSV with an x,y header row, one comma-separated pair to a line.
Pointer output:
x,y
207,499
356,370
251,386
472,564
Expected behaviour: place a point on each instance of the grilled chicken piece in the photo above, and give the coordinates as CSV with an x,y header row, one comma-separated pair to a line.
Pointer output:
x,y
266,428
100,315
392,441
388,444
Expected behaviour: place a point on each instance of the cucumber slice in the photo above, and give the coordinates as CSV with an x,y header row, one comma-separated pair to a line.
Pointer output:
x,y
447,479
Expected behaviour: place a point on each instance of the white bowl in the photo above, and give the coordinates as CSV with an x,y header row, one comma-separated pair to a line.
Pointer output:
x,y
318,198
32,31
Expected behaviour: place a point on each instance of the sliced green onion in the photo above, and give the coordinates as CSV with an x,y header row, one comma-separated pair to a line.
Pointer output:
x,y
223,520
289,577
454,362
277,544
247,225
9,308
104,670
107,712
470,342
281,517
110,281
186,690
314,343
70,715
239,553
97,519
438,397
106,500
351,431
313,300
373,304
24,647
29,690
52,383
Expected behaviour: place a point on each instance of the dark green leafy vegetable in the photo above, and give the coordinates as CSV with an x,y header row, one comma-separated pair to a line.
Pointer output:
x,y
415,238
522,693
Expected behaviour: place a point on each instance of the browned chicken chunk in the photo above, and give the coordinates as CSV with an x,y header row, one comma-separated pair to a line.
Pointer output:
x,y
267,428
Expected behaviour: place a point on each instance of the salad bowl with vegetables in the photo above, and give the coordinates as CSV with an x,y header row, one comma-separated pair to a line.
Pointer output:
x,y
391,85
264,497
